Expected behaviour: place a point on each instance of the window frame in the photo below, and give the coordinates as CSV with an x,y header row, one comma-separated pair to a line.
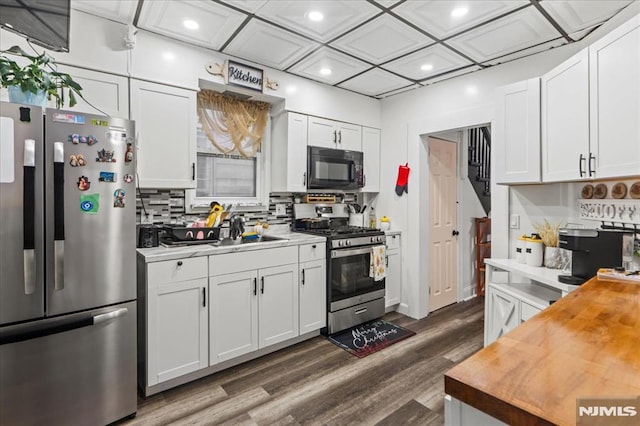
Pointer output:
x,y
195,204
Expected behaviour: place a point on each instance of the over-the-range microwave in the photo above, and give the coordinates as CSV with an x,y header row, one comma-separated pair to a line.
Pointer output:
x,y
334,169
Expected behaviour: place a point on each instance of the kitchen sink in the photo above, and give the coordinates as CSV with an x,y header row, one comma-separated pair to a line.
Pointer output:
x,y
239,241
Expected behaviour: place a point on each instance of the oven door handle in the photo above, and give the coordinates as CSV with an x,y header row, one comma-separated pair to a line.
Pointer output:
x,y
351,252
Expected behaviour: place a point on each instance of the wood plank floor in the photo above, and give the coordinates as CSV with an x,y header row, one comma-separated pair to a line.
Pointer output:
x,y
317,383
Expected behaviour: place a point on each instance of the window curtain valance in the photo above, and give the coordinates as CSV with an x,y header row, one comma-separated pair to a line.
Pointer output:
x,y
233,125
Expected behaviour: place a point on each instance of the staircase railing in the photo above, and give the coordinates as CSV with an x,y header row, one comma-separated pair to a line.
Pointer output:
x,y
480,159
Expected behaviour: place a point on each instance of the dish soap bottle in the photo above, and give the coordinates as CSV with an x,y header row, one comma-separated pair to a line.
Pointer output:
x,y
372,219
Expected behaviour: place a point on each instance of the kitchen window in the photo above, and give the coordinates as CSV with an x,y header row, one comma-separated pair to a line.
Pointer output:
x,y
225,175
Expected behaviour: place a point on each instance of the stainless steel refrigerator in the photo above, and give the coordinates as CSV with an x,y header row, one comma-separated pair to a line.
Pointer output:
x,y
67,267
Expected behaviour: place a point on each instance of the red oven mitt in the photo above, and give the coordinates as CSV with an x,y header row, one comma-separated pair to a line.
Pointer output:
x,y
402,182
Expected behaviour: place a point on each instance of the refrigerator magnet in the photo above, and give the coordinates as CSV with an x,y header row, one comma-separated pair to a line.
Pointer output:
x,y
74,138
83,183
128,178
77,160
128,156
118,198
91,140
89,203
108,177
105,156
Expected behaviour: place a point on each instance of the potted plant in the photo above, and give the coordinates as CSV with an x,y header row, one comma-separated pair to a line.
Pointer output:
x,y
38,77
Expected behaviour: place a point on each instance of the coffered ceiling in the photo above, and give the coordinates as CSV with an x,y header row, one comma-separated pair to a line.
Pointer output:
x,y
373,47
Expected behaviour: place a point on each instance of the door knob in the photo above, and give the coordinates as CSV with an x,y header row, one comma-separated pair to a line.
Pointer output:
x,y
455,233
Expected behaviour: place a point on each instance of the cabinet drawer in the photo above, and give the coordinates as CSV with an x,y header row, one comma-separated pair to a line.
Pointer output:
x,y
177,270
316,251
229,263
527,311
393,242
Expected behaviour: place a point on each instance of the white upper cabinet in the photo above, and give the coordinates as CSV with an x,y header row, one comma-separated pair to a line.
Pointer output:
x,y
109,93
371,158
289,153
165,119
565,121
334,134
591,110
614,66
516,137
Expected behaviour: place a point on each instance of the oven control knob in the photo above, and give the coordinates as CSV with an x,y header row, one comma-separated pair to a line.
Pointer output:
x,y
347,242
379,239
373,239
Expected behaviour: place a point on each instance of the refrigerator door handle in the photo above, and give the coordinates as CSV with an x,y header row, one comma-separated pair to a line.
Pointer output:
x,y
30,333
29,214
58,215
110,315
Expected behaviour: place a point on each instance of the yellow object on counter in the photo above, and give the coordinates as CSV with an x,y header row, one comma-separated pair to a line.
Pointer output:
x,y
213,215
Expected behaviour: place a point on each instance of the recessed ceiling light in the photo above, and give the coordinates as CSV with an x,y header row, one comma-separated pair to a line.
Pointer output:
x,y
426,67
325,71
168,56
291,89
315,16
471,90
190,24
459,12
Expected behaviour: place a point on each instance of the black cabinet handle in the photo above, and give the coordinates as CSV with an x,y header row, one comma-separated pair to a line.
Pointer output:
x,y
179,262
262,285
455,233
335,136
303,277
193,171
313,246
304,179
592,171
340,136
580,164
204,297
386,261
255,286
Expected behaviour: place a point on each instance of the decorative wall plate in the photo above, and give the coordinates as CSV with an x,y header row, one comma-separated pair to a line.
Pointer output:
x,y
619,190
600,191
587,191
634,192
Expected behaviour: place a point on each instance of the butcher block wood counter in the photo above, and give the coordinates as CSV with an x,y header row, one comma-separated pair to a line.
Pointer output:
x,y
587,344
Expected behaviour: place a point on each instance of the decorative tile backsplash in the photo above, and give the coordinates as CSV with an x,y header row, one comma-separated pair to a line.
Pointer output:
x,y
168,205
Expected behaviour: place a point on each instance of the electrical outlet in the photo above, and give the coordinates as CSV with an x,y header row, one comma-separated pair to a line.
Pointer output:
x,y
281,210
147,218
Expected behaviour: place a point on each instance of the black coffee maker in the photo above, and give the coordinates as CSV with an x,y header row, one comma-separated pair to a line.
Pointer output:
x,y
591,249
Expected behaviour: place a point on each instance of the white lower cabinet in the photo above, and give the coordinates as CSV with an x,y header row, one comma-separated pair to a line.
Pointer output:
x,y
252,308
176,319
313,287
509,305
393,279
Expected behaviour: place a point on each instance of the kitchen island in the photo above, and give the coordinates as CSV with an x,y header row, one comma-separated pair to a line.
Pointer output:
x,y
587,344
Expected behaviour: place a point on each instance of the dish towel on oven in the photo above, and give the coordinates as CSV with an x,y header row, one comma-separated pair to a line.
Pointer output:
x,y
377,266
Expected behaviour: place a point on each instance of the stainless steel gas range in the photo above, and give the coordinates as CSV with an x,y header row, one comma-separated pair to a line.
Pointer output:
x,y
354,296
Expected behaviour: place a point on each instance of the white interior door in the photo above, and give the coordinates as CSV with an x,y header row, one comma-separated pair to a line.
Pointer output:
x,y
443,277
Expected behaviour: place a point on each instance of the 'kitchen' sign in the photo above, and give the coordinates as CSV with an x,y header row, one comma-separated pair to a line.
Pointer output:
x,y
244,75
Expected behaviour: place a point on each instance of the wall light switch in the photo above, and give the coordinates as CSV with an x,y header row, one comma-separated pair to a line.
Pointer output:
x,y
281,210
514,222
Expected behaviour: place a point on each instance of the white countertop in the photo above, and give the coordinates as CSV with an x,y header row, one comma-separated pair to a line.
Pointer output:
x,y
162,253
542,275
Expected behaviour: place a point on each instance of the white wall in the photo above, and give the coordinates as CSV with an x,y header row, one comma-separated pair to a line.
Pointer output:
x,y
453,104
